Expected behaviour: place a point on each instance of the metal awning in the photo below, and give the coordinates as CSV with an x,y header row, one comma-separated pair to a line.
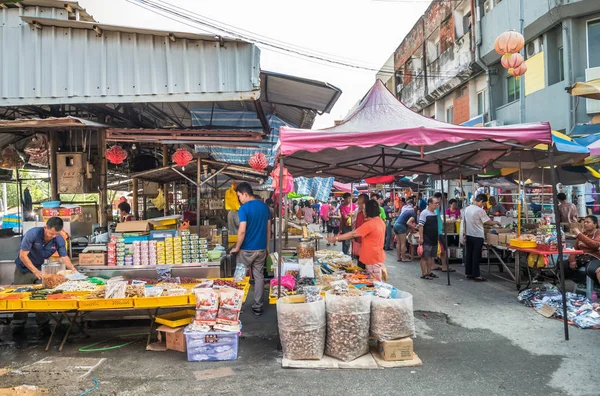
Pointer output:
x,y
197,136
30,124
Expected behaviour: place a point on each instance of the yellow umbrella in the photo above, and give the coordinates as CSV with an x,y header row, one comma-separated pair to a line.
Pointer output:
x,y
589,89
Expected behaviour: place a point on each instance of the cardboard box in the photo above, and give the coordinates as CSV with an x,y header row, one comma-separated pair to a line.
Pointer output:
x,y
395,350
492,239
62,211
92,259
169,338
133,226
67,219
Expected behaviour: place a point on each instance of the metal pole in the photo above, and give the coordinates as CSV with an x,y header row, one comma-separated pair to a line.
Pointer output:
x,y
443,214
4,199
198,195
20,214
521,80
102,191
279,253
134,187
54,165
165,154
559,239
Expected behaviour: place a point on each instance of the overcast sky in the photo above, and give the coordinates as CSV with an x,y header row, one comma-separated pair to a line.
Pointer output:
x,y
362,31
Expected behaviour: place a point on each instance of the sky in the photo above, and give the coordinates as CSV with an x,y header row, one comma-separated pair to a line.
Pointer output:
x,y
364,32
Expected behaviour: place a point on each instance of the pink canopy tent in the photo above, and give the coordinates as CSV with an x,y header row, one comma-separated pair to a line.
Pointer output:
x,y
384,137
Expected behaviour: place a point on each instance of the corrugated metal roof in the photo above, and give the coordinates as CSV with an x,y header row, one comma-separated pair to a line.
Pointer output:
x,y
48,123
73,64
57,8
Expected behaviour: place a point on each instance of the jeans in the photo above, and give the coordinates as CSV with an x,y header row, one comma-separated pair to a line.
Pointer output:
x,y
473,256
389,238
346,244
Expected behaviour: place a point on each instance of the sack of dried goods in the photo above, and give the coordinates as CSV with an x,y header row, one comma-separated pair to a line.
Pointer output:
x,y
392,318
348,320
301,329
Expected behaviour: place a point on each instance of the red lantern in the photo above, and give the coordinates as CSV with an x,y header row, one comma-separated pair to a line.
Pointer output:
x,y
509,42
182,157
511,61
258,161
518,71
116,155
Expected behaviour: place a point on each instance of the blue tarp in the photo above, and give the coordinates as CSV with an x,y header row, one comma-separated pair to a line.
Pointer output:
x,y
237,119
316,187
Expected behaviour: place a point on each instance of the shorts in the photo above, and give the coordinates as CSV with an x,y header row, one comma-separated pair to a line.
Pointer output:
x,y
375,270
333,230
400,229
443,243
430,251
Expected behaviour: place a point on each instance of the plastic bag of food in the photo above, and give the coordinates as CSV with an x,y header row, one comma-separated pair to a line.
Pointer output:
x,y
207,306
286,281
301,329
115,289
348,323
229,306
312,293
153,291
392,318
240,272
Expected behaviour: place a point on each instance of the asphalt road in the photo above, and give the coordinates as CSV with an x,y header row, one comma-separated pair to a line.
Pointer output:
x,y
473,338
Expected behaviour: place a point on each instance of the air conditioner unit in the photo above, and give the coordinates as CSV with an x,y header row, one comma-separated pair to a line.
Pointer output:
x,y
493,124
533,47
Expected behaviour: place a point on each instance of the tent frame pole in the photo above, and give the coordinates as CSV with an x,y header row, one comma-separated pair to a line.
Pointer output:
x,y
443,214
280,228
559,238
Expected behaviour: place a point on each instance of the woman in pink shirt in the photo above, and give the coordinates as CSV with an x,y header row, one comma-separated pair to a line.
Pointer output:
x,y
453,210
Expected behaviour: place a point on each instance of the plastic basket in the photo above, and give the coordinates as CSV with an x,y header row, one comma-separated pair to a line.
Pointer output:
x,y
177,319
162,301
49,305
523,244
212,346
104,303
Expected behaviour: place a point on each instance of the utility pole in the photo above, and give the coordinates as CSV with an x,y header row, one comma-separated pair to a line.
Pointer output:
x,y
521,79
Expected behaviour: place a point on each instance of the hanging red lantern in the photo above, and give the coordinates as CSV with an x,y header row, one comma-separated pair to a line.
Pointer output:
x,y
518,71
509,42
116,155
258,161
182,157
511,61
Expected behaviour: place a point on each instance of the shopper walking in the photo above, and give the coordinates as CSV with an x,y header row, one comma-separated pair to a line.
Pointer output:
x,y
254,234
404,224
308,213
333,221
389,214
567,210
429,237
347,209
472,226
441,238
324,215
372,232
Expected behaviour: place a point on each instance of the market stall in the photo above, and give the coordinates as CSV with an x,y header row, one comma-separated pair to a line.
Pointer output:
x,y
383,137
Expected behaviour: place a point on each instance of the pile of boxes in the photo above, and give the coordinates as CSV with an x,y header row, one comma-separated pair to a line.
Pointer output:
x,y
184,249
116,251
144,253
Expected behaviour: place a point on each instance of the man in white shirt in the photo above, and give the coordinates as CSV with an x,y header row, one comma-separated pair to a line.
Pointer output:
x,y
473,221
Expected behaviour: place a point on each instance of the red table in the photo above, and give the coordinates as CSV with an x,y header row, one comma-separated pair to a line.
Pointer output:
x,y
545,253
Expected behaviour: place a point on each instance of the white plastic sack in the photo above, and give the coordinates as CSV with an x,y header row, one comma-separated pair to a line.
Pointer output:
x,y
348,320
301,329
392,318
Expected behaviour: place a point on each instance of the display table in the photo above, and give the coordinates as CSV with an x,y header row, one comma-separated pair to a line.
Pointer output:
x,y
197,270
515,273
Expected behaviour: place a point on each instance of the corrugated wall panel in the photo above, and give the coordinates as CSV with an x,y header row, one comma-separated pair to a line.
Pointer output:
x,y
71,65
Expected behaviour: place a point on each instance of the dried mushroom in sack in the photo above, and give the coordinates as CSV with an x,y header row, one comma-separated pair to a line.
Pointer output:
x,y
302,329
392,318
348,321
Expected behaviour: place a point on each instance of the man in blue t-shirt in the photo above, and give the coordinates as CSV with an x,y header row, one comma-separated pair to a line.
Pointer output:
x,y
38,244
253,238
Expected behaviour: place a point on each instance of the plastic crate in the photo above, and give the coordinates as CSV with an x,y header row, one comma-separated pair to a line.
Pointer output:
x,y
2,305
49,305
104,303
162,301
212,346
523,244
176,319
14,305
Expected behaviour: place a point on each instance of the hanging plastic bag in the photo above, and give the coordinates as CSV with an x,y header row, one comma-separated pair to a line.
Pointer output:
x,y
10,158
240,272
231,200
37,150
159,201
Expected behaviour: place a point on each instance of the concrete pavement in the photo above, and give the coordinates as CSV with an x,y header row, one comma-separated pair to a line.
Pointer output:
x,y
473,338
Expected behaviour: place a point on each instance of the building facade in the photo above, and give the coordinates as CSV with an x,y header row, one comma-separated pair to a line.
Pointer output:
x,y
447,68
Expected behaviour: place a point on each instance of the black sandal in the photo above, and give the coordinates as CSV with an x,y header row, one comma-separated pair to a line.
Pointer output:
x,y
480,279
449,270
432,275
427,277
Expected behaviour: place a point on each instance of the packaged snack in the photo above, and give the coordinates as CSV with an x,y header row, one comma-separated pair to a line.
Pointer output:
x,y
207,305
229,306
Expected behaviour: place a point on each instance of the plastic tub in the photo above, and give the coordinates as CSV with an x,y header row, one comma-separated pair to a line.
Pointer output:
x,y
50,204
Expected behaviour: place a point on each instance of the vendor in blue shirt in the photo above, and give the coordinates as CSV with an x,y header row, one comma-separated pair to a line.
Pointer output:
x,y
38,244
